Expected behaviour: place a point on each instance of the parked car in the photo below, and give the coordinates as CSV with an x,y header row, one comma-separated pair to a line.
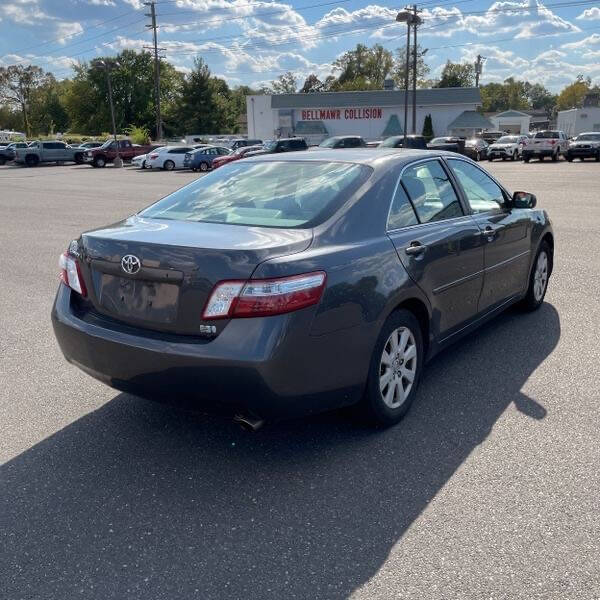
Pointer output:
x,y
202,158
507,147
242,142
168,157
585,145
546,143
105,154
292,284
8,152
343,141
417,142
219,161
282,145
45,152
447,143
476,149
491,136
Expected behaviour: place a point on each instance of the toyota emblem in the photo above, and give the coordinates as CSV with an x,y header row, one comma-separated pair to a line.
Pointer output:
x,y
130,264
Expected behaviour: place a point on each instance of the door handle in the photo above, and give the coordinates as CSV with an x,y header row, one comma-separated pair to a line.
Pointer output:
x,y
415,248
490,231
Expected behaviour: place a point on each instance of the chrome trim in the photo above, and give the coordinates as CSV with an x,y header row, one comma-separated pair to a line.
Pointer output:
x,y
447,286
507,261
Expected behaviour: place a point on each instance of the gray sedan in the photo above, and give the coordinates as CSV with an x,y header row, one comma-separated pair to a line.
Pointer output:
x,y
283,285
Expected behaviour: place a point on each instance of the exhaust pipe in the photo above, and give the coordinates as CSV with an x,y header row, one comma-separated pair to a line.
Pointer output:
x,y
249,422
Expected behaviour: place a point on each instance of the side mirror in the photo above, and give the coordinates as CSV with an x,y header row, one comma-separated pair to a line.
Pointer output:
x,y
523,200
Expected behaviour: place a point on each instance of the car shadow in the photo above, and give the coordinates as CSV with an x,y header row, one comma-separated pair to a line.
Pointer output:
x,y
138,501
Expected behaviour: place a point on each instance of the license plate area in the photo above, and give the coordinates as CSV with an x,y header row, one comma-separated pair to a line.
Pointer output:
x,y
138,299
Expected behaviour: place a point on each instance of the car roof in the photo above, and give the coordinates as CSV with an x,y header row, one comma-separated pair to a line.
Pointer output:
x,y
373,157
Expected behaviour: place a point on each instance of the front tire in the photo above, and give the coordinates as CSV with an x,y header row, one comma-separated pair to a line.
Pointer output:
x,y
395,370
169,165
204,167
99,162
538,280
79,158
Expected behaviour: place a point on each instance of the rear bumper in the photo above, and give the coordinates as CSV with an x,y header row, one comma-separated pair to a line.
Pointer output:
x,y
269,366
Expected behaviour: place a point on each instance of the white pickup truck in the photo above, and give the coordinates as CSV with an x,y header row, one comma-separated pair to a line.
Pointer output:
x,y
546,143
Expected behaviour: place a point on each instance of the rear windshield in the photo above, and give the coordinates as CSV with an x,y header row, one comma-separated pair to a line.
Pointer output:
x,y
549,135
508,139
265,194
391,142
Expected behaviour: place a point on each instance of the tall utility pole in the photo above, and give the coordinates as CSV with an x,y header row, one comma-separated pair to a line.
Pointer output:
x,y
154,28
478,69
416,21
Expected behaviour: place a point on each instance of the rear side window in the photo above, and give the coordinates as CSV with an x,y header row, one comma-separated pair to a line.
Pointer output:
x,y
402,213
268,194
297,144
431,192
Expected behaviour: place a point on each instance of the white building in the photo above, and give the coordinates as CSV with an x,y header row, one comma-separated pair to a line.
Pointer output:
x,y
371,114
8,136
512,121
577,120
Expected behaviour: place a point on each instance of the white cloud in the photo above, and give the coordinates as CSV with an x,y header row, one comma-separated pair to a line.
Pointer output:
x,y
591,40
68,30
24,12
590,14
101,2
137,4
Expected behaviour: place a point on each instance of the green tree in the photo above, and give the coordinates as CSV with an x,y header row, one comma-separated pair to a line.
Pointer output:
x,y
457,75
363,68
572,95
284,84
399,71
205,105
428,128
18,85
539,97
313,84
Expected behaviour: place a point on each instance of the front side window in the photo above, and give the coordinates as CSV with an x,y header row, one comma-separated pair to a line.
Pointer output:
x,y
482,192
431,192
266,194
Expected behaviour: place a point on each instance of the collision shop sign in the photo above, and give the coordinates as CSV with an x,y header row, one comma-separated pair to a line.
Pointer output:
x,y
336,114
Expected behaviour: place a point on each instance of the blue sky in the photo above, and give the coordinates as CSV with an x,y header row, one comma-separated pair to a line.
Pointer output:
x,y
251,42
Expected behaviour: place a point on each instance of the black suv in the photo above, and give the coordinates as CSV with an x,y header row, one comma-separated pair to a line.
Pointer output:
x,y
281,145
416,142
343,141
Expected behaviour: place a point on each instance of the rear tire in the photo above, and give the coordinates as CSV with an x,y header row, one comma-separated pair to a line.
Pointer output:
x,y
31,160
538,279
2,161
598,157
491,158
143,164
395,370
168,165
204,167
526,159
79,159
570,158
554,156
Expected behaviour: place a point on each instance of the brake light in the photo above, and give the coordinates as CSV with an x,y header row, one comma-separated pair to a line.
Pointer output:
x,y
70,273
153,156
264,297
552,142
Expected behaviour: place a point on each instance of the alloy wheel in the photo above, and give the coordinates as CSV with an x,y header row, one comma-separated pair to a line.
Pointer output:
x,y
540,278
397,367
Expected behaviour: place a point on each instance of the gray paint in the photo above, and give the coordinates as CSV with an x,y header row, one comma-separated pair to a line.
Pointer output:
x,y
425,97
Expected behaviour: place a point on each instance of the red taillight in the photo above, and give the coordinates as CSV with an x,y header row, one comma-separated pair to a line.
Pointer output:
x,y
70,273
153,156
264,297
552,142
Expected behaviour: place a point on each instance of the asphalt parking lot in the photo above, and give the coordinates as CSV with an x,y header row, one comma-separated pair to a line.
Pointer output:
x,y
490,488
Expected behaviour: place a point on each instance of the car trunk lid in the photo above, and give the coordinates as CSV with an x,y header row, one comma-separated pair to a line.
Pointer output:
x,y
158,274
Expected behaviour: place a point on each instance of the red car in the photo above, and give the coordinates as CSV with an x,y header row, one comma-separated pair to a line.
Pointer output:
x,y
239,153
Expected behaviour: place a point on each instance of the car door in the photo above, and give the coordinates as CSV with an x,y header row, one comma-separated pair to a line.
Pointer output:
x,y
179,156
62,152
506,234
438,244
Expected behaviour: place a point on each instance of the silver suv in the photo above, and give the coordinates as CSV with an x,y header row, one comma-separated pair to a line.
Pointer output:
x,y
546,143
